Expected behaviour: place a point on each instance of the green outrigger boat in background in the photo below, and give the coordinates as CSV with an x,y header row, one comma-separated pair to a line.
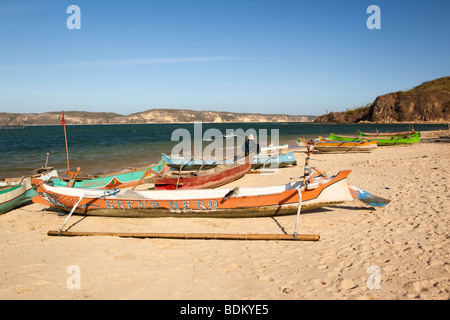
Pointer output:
x,y
381,140
390,134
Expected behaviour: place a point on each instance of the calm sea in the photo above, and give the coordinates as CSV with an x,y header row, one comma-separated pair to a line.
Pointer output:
x,y
105,148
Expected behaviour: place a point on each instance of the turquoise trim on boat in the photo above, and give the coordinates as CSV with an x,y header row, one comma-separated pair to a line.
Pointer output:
x,y
14,203
99,182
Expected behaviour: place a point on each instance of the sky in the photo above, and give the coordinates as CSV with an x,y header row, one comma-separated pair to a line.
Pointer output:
x,y
291,57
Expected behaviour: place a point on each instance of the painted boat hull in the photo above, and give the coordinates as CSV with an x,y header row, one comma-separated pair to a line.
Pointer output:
x,y
249,202
390,134
327,145
115,180
381,141
18,192
259,161
205,179
15,196
274,161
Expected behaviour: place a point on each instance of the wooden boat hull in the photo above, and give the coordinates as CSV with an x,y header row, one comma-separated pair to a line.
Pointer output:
x,y
18,191
249,202
381,141
259,161
274,161
203,180
115,180
327,145
188,164
389,134
15,196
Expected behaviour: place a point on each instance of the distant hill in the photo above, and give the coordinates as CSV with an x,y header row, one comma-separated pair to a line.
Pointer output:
x,y
149,116
429,101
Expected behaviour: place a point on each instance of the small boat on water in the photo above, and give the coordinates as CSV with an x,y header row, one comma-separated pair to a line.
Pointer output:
x,y
328,145
316,190
202,179
261,160
381,140
127,177
230,135
16,191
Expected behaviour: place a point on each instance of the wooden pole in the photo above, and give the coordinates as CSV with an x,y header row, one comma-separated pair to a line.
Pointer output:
x,y
203,236
67,148
63,122
146,173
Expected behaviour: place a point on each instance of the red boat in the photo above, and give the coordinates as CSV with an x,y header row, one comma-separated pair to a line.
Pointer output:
x,y
202,179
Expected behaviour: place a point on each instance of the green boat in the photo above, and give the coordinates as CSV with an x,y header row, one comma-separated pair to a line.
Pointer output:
x,y
17,191
390,134
381,140
121,179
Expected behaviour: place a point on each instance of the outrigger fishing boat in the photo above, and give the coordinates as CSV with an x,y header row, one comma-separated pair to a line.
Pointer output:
x,y
125,178
259,161
202,179
316,190
17,191
328,145
381,140
389,134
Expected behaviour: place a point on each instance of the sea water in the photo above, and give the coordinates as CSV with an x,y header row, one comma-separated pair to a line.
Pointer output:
x,y
107,148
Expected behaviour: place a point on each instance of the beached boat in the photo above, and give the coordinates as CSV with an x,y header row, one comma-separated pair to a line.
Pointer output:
x,y
389,134
202,179
259,161
326,145
381,140
189,164
271,148
124,178
16,191
315,191
279,160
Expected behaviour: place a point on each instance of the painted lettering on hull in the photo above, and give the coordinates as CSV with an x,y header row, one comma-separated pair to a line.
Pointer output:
x,y
174,205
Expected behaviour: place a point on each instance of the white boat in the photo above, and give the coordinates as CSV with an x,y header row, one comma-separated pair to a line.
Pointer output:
x,y
16,191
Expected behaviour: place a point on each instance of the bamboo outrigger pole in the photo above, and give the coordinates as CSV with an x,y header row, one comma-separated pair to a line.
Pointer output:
x,y
204,236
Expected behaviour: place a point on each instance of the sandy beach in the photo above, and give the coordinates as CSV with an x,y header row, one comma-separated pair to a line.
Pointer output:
x,y
400,251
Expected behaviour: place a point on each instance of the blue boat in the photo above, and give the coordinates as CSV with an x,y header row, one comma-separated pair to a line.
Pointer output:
x,y
259,161
274,161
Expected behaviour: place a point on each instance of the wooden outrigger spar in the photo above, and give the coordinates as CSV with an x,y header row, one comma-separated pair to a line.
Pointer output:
x,y
203,236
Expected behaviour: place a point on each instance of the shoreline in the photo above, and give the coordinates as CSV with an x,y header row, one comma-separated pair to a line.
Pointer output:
x,y
407,241
233,122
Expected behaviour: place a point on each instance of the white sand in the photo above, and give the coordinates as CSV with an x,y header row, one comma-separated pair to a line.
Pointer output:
x,y
407,242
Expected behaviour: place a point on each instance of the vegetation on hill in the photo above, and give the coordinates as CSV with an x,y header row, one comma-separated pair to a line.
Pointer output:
x,y
429,101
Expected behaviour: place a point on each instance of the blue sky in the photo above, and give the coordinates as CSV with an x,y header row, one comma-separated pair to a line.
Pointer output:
x,y
291,57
